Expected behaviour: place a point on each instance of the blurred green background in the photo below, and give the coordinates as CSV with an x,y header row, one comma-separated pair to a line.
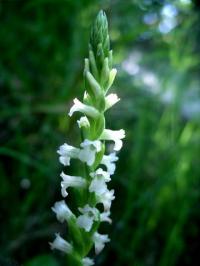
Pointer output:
x,y
156,213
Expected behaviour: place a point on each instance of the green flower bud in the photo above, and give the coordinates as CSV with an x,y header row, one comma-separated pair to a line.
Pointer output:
x,y
105,72
93,84
94,69
99,34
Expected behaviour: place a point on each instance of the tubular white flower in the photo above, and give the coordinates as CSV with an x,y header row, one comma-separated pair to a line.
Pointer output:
x,y
71,181
98,184
108,161
89,215
67,152
83,122
61,244
106,199
62,211
99,241
83,108
89,150
115,135
101,174
110,100
87,262
104,217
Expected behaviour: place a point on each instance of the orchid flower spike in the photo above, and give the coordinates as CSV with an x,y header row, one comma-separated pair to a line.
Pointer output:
x,y
88,187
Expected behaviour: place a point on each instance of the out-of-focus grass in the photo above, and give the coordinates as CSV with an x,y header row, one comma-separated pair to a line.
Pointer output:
x,y
156,211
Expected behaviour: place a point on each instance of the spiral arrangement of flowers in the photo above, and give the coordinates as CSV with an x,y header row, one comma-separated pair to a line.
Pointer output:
x,y
95,198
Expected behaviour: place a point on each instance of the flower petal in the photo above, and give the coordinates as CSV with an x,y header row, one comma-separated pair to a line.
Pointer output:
x,y
89,150
115,135
87,261
61,244
67,152
89,215
111,99
71,181
106,199
104,217
62,211
99,241
108,161
83,108
83,122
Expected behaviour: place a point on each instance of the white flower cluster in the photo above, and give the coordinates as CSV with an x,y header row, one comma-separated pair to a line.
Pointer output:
x,y
88,214
99,76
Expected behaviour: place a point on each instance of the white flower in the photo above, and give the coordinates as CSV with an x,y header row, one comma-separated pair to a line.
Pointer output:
x,y
106,199
61,244
111,99
62,211
108,161
87,262
101,174
83,122
83,108
71,181
104,217
99,241
89,150
98,184
115,135
67,152
85,154
89,215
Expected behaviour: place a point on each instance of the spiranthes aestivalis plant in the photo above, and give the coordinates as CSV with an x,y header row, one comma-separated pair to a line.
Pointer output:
x,y
95,198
